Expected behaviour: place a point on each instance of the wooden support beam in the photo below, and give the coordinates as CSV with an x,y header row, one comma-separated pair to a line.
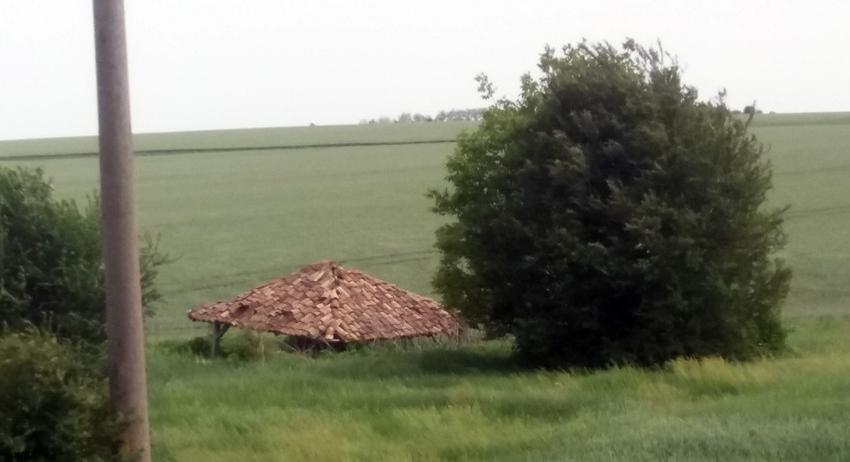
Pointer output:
x,y
219,329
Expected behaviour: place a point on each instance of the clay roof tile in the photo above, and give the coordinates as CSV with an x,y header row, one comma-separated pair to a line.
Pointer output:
x,y
332,303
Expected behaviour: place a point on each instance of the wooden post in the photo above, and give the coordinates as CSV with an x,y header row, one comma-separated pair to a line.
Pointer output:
x,y
219,329
126,349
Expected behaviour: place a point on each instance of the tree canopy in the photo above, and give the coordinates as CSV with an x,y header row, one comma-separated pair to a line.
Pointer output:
x,y
608,215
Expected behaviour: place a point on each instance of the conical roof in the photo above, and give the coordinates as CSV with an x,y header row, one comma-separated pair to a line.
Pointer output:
x,y
327,301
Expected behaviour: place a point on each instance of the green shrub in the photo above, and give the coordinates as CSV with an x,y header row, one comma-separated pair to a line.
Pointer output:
x,y
53,402
242,345
610,216
199,346
51,270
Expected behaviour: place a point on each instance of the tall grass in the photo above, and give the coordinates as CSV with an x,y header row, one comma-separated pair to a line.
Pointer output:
x,y
472,402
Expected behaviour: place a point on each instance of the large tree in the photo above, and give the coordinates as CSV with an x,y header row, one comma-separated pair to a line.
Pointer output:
x,y
610,216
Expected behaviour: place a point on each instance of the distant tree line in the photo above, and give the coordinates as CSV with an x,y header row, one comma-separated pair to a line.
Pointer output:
x,y
470,115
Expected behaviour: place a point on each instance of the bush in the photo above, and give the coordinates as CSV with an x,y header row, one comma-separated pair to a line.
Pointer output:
x,y
609,216
51,271
242,345
53,402
198,346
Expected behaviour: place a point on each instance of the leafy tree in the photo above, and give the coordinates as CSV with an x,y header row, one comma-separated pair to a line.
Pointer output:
x,y
610,216
53,402
51,271
485,86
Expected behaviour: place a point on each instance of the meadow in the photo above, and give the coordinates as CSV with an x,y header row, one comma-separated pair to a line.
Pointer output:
x,y
238,207
471,403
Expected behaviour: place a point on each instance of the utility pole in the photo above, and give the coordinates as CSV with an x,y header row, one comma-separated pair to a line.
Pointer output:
x,y
126,348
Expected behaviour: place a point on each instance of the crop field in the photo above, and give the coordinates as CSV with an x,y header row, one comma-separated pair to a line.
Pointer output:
x,y
238,217
239,207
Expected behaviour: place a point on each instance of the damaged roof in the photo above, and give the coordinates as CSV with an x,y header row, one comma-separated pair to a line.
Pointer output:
x,y
329,302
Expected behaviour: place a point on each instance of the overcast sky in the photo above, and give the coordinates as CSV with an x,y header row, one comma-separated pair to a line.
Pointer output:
x,y
205,64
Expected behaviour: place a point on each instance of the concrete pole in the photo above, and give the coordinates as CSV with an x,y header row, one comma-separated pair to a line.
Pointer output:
x,y
126,349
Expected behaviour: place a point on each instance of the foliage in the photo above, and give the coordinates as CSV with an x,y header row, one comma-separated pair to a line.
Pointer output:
x,y
238,344
198,346
471,403
609,216
243,345
51,271
53,403
473,114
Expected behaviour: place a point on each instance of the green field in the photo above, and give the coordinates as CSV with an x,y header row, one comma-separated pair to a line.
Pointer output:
x,y
242,206
250,139
236,218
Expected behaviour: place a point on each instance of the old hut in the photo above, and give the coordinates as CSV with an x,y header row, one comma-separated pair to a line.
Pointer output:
x,y
325,303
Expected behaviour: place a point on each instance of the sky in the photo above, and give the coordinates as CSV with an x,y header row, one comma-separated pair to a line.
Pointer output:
x,y
212,64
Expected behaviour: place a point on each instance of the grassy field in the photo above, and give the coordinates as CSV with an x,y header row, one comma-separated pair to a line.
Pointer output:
x,y
250,139
811,161
470,404
242,206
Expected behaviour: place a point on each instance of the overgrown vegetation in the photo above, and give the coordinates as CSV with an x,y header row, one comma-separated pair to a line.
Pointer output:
x,y
472,403
239,344
53,402
51,270
609,216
